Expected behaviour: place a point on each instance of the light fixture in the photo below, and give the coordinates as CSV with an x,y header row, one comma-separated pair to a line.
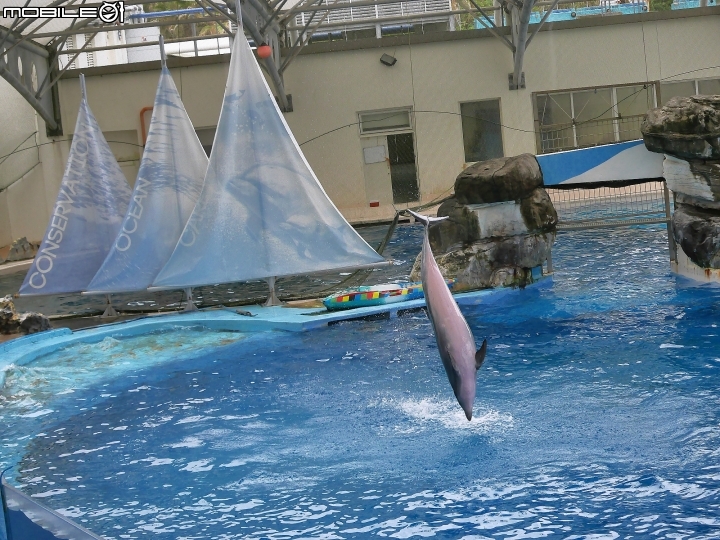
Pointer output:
x,y
388,60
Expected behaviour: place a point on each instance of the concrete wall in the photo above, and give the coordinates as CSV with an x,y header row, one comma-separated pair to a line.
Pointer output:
x,y
331,83
23,210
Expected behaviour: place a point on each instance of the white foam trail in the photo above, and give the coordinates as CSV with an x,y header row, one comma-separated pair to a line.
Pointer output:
x,y
49,493
35,414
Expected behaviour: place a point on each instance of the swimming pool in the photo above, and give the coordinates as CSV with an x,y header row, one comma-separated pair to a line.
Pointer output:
x,y
597,416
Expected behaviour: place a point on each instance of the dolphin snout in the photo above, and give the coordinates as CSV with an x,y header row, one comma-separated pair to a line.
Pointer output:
x,y
468,414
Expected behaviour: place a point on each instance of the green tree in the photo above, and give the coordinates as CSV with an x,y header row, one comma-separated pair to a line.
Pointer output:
x,y
183,30
466,21
661,5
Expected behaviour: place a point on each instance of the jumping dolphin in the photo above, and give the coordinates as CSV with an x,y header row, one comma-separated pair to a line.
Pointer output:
x,y
454,340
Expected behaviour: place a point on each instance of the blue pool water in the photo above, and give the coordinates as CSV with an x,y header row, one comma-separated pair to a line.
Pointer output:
x,y
597,417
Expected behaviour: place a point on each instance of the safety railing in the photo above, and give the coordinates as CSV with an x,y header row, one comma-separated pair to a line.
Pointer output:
x,y
558,137
582,208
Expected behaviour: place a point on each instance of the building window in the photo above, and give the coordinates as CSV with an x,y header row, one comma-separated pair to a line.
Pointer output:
x,y
589,117
391,120
388,146
481,129
707,87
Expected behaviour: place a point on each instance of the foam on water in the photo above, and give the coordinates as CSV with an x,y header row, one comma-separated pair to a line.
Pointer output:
x,y
446,413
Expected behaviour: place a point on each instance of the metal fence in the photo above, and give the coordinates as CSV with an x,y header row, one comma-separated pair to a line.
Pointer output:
x,y
558,137
638,204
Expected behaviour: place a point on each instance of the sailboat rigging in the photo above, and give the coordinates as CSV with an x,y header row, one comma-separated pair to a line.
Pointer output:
x,y
87,214
255,210
262,212
168,185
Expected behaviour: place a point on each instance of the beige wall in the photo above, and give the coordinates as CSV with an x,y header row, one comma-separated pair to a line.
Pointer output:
x,y
330,88
18,124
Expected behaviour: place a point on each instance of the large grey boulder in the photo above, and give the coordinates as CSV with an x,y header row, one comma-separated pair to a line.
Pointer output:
x,y
498,180
538,211
9,323
19,250
31,322
12,322
697,231
501,262
460,229
689,200
685,127
7,303
687,131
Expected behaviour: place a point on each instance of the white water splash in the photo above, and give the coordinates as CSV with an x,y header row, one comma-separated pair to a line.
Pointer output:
x,y
448,413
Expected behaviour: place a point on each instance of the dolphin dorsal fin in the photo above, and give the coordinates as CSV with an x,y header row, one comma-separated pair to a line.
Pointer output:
x,y
480,354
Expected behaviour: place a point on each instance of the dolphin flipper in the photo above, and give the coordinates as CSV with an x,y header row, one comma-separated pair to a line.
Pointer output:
x,y
480,354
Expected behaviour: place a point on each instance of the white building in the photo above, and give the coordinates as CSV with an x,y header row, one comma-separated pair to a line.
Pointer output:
x,y
381,136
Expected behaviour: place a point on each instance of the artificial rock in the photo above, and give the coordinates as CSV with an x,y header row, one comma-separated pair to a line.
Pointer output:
x,y
501,225
697,231
497,262
696,178
12,322
685,127
498,180
687,131
19,250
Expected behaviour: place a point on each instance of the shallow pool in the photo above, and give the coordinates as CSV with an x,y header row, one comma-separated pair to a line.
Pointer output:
x,y
597,416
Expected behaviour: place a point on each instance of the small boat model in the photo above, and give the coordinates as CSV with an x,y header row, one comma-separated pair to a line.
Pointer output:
x,y
376,295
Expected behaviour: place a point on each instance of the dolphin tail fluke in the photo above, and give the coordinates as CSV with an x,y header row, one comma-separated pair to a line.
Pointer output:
x,y
480,354
426,220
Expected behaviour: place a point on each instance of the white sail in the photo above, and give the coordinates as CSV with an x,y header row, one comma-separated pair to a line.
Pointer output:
x,y
262,211
168,185
92,201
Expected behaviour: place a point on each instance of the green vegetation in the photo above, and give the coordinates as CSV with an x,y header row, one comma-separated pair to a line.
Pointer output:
x,y
661,5
466,21
180,30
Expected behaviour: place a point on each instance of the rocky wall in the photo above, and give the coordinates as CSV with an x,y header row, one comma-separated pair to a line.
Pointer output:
x,y
687,131
12,322
501,225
